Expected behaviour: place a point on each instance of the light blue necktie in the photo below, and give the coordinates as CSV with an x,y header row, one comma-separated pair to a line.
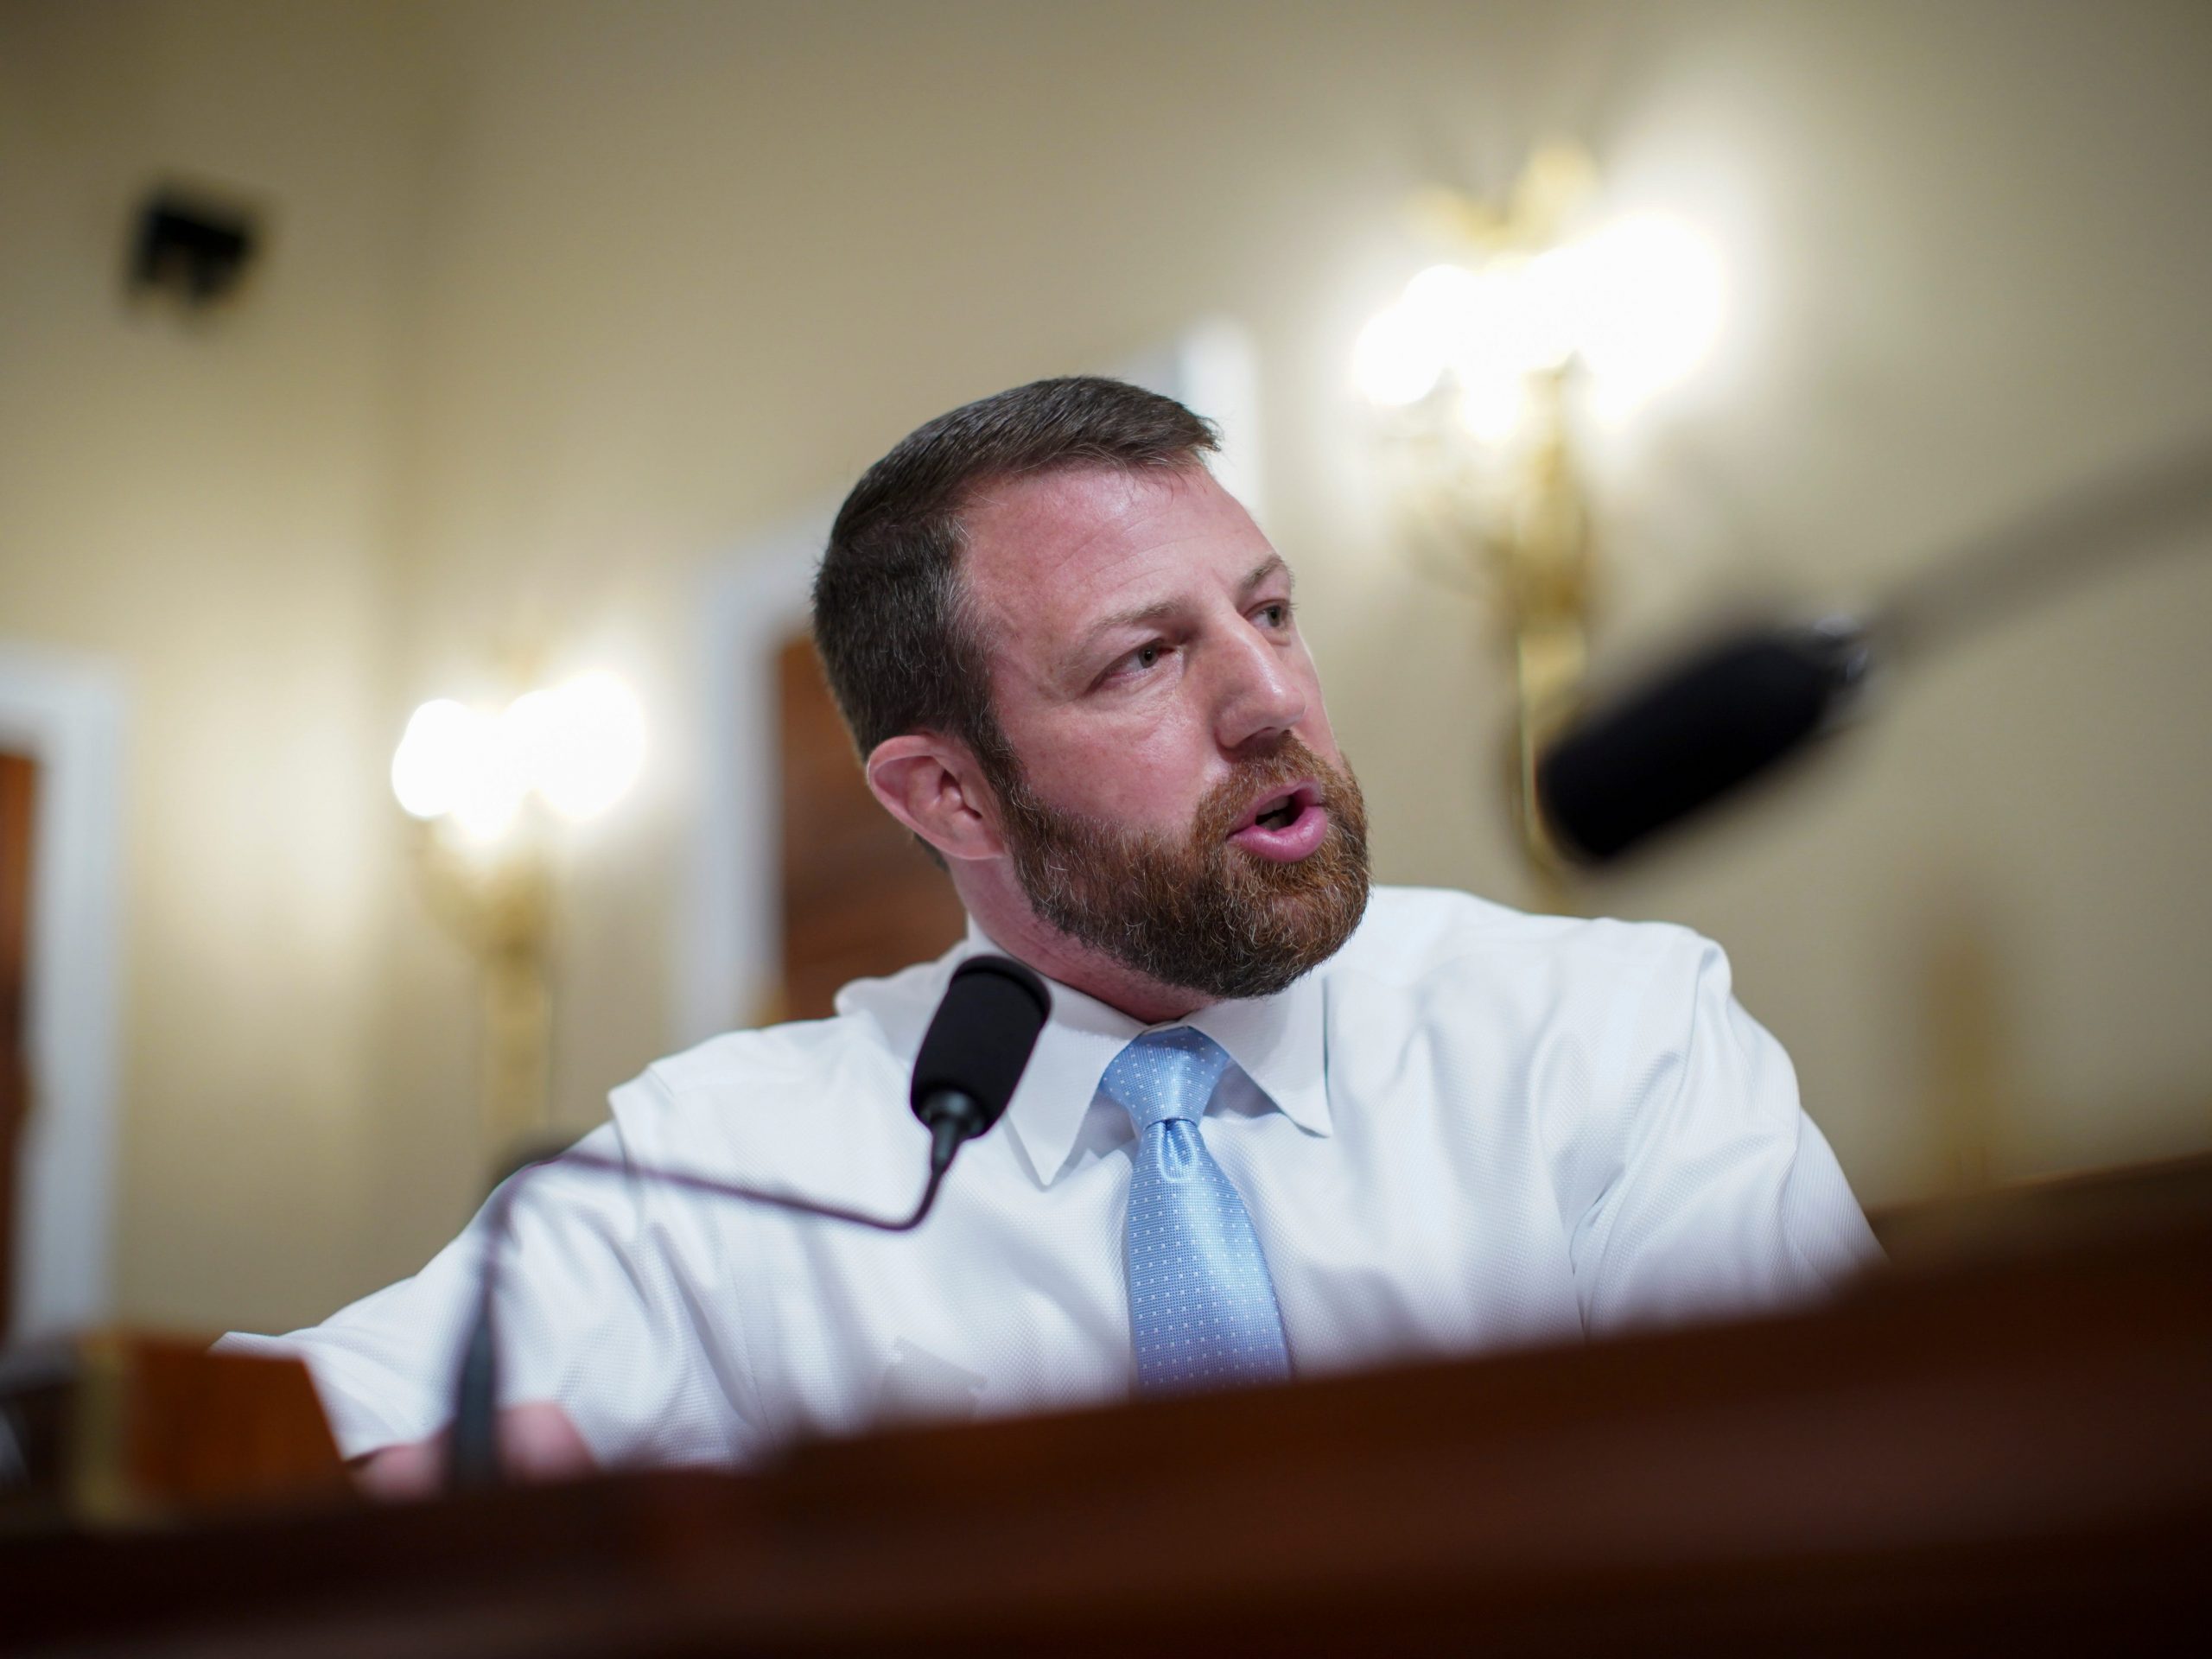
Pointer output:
x,y
1201,1307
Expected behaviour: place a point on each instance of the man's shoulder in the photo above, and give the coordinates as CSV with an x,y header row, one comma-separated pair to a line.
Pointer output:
x,y
795,1051
1494,985
768,1099
878,1024
1410,935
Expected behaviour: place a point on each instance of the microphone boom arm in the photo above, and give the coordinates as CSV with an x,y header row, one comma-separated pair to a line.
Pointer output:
x,y
474,1449
971,1057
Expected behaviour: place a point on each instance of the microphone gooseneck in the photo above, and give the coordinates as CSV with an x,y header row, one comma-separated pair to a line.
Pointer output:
x,y
973,1054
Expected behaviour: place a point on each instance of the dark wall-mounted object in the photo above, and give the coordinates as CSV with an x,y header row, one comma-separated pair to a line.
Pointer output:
x,y
190,248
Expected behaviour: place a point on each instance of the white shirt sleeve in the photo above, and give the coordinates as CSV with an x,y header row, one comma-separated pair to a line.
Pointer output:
x,y
599,1285
1725,1200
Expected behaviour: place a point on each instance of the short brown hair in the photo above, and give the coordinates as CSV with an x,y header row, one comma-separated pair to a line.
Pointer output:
x,y
896,638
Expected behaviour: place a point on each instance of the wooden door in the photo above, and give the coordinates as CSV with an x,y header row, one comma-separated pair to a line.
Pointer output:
x,y
860,896
18,798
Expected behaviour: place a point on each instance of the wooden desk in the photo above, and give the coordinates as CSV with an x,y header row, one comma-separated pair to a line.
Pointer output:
x,y
2011,1457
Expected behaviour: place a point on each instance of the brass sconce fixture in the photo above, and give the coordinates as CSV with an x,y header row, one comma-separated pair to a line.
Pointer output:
x,y
488,790
1480,373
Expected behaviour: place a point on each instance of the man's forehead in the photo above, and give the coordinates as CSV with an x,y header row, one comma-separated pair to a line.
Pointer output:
x,y
1066,541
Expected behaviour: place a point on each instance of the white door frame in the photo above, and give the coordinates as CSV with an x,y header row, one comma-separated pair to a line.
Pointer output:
x,y
729,943
66,713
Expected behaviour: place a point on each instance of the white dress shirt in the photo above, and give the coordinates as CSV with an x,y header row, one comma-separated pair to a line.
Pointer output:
x,y
1470,1129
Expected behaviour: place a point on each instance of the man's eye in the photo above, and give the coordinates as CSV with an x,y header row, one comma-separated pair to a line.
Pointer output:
x,y
1276,615
1134,664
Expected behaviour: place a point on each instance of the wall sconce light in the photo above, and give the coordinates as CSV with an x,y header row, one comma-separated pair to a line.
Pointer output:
x,y
487,788
1478,374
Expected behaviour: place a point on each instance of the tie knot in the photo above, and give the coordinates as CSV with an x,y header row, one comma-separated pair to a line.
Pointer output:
x,y
1164,1075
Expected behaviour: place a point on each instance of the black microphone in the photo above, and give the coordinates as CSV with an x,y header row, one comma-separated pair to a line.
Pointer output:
x,y
973,1054
1707,726
1696,734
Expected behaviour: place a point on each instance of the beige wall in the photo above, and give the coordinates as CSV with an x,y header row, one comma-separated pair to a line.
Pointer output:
x,y
572,299
204,509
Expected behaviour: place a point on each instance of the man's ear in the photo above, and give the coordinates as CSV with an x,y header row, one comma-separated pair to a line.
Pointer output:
x,y
935,788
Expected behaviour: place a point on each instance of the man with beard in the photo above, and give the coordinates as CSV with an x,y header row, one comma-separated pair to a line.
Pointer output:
x,y
1276,1126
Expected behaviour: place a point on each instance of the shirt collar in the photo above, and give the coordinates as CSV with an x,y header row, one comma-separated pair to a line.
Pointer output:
x,y
1277,1040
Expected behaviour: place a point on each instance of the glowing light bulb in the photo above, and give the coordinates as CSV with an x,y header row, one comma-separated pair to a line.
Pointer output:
x,y
1444,303
1547,304
1650,300
430,768
494,782
579,747
1394,361
582,744
1492,409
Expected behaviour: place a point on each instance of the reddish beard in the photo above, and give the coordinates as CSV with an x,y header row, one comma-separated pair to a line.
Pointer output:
x,y
1201,914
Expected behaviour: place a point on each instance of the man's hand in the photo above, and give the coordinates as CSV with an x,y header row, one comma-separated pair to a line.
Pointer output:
x,y
537,1442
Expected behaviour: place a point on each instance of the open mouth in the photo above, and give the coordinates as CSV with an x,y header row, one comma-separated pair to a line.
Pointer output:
x,y
1280,811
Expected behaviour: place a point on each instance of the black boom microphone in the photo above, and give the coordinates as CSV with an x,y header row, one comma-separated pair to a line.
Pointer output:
x,y
1718,718
973,1054
1696,734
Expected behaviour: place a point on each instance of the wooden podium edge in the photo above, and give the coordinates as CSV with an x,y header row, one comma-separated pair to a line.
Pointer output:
x,y
120,1428
2016,1453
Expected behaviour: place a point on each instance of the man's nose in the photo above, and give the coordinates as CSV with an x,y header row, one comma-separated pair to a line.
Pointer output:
x,y
1261,697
